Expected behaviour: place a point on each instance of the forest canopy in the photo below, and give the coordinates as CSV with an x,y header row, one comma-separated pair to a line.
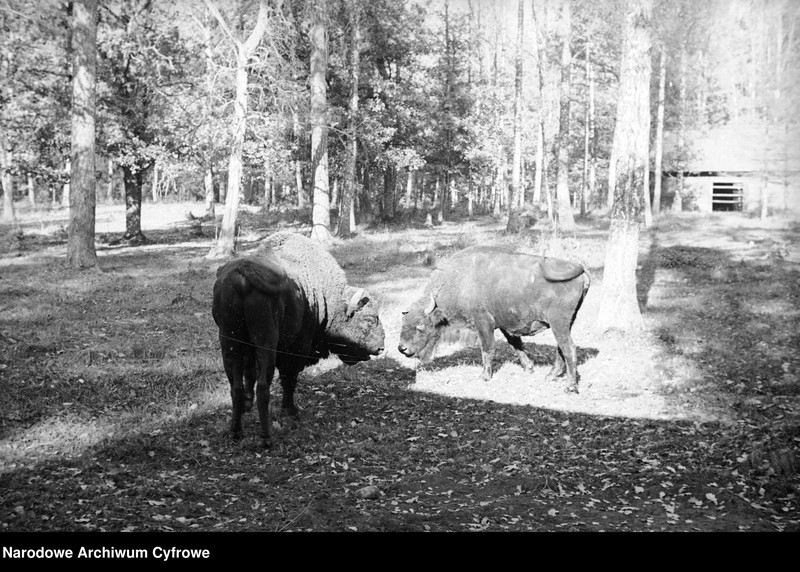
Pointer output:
x,y
434,114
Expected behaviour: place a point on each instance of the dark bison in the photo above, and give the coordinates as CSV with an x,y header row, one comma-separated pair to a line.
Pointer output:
x,y
486,288
287,306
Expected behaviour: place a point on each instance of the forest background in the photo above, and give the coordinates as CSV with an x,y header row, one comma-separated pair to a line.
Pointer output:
x,y
428,93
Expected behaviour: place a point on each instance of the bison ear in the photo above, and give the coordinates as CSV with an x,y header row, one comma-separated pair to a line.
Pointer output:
x,y
430,307
357,301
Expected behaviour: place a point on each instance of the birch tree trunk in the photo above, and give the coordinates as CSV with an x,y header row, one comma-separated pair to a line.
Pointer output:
x,y
619,307
540,49
226,242
208,184
154,190
657,168
320,212
565,218
80,240
347,212
515,189
110,182
7,179
677,201
132,179
31,190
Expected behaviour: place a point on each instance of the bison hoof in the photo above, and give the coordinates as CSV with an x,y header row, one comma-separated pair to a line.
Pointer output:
x,y
266,442
571,389
292,413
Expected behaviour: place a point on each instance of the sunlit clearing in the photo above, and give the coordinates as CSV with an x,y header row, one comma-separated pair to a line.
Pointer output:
x,y
607,386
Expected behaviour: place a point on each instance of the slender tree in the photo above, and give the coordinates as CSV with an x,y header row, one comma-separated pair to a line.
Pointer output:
x,y
245,48
515,189
318,37
539,41
6,150
346,211
619,308
6,179
662,83
566,220
80,242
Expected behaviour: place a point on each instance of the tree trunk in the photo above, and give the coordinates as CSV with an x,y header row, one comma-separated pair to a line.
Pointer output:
x,y
592,119
7,180
208,184
347,217
110,182
677,201
586,190
132,176
318,38
80,241
515,190
31,191
470,193
389,184
154,190
619,308
540,48
658,167
409,198
65,187
565,218
226,241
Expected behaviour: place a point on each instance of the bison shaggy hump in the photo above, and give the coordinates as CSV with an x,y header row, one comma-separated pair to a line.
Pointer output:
x,y
309,264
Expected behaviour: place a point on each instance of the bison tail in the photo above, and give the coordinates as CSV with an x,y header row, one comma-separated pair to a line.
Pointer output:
x,y
587,280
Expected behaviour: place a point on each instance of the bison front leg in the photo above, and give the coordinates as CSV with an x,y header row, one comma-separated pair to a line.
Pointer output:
x,y
485,329
289,383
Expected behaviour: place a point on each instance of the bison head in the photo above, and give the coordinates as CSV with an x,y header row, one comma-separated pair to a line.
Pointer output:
x,y
422,328
356,332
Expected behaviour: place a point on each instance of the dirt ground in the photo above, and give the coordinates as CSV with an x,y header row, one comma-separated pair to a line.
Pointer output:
x,y
115,418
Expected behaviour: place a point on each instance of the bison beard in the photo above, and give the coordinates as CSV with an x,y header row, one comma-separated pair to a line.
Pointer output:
x,y
487,288
270,318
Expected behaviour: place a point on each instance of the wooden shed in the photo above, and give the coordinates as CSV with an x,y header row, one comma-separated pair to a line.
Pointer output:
x,y
728,166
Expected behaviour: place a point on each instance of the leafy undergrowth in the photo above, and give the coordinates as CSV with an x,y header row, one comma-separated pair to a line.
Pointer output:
x,y
115,407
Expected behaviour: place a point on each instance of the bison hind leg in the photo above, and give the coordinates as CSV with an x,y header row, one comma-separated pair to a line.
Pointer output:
x,y
566,357
250,374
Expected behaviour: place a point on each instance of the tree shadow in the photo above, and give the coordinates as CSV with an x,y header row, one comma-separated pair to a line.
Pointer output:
x,y
731,318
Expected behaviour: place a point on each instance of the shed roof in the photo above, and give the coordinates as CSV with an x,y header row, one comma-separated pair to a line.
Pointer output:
x,y
741,145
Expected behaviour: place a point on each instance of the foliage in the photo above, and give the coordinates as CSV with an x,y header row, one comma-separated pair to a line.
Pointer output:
x,y
435,91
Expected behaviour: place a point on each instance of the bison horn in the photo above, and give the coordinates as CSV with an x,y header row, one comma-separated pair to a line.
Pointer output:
x,y
357,301
429,308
